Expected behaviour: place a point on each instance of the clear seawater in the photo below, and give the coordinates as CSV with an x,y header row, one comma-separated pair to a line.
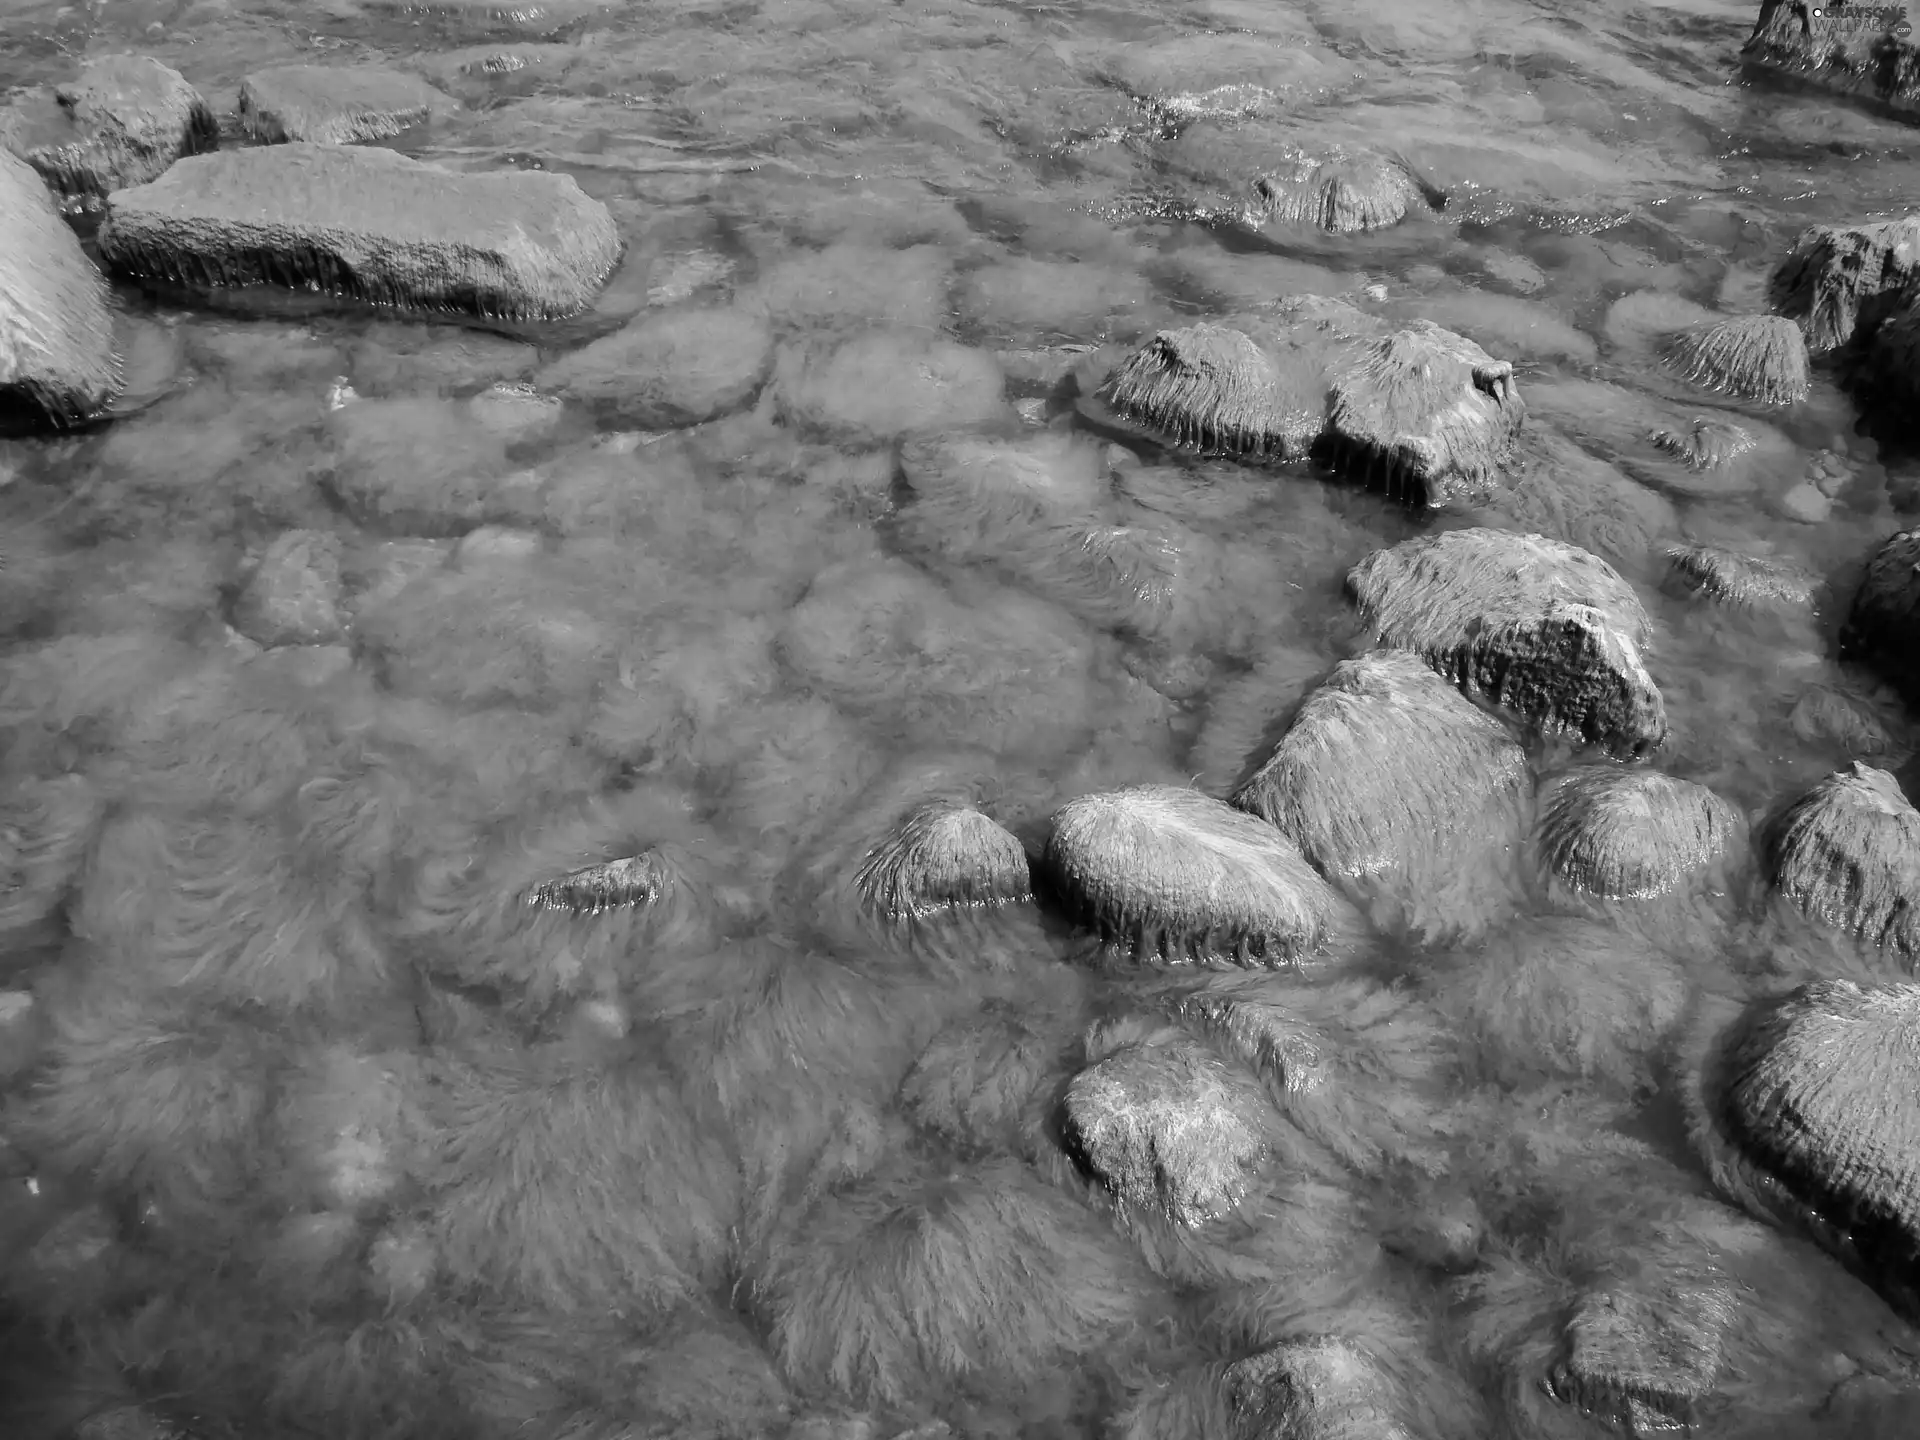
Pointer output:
x,y
942,169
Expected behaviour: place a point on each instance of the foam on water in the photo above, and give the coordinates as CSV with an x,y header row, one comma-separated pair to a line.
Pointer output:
x,y
309,1117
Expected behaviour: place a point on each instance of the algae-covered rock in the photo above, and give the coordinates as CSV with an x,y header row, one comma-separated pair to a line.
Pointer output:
x,y
335,104
1632,833
1366,191
943,856
121,122
1741,581
57,361
1753,357
366,224
1807,1112
1847,853
1542,628
1173,875
1384,762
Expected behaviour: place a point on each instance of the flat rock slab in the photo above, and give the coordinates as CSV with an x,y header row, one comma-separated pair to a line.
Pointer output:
x,y
57,362
1178,876
1807,1111
1539,627
369,225
335,104
1843,50
122,122
1847,854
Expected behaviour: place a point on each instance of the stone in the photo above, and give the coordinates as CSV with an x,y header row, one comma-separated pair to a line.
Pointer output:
x,y
1169,1127
1212,389
1824,715
671,369
1706,443
1385,762
1632,834
293,594
57,361
1320,1387
1805,503
366,224
1807,1112
1743,582
1846,50
1366,191
1645,1355
335,104
1557,488
1889,375
631,882
1839,281
943,856
1753,357
1847,854
522,17
1173,875
122,122
1542,628
1426,414
1883,625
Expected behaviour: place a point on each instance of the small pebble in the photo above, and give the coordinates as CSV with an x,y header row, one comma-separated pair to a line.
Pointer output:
x,y
1806,504
1121,458
1033,411
1375,292
340,394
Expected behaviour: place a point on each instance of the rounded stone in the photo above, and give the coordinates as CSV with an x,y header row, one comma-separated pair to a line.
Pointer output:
x,y
1632,834
676,368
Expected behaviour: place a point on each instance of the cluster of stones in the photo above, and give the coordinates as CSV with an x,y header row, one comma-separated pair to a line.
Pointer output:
x,y
305,209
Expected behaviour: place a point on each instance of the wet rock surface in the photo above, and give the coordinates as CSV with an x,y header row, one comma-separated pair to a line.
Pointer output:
x,y
1740,581
368,225
1839,281
678,367
1847,853
122,121
1170,874
1883,623
1860,56
335,104
1419,412
1805,1116
1633,834
57,360
1537,626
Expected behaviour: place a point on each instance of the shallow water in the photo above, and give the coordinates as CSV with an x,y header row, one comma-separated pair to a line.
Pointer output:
x,y
671,1214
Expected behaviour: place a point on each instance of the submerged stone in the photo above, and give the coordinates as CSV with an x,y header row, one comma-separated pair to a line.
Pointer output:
x,y
335,104
943,856
888,383
1539,627
1174,875
122,122
1383,762
1212,389
1632,834
675,368
1807,1111
624,884
1706,444
1741,581
1838,280
367,224
1427,414
1847,853
1168,1126
1849,50
293,594
57,362
1883,627
1754,357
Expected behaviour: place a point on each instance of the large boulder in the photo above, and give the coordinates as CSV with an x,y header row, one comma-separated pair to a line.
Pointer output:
x,y
57,362
369,225
335,104
1173,875
1883,626
1538,627
1847,854
1419,412
1852,50
122,122
1840,280
1807,1111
